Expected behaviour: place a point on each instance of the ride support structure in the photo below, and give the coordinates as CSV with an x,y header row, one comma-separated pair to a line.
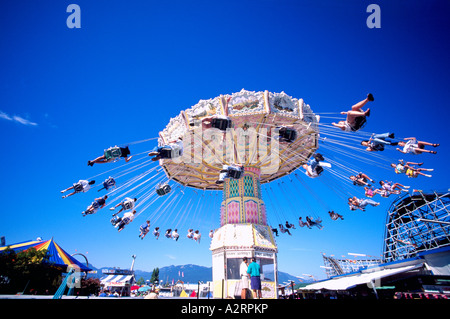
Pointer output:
x,y
243,233
269,135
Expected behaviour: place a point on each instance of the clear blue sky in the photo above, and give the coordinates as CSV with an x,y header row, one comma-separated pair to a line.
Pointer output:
x,y
66,94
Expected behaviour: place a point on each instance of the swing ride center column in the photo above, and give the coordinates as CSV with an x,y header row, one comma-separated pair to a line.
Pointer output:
x,y
242,202
243,233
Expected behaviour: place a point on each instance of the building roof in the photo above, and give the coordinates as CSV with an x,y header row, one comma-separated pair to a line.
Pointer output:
x,y
244,236
359,278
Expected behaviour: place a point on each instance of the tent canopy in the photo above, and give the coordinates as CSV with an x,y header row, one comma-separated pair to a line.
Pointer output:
x,y
56,256
119,281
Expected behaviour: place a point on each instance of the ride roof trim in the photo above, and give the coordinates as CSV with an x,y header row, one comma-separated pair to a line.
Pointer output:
x,y
244,236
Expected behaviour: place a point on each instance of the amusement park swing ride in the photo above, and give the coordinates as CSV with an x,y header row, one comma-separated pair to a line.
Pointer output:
x,y
254,138
234,144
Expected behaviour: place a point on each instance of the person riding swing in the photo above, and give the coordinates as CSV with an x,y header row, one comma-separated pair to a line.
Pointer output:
x,y
356,117
108,183
78,187
234,171
172,150
112,154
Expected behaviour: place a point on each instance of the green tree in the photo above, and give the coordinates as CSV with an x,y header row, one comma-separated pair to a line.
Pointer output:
x,y
27,271
155,275
140,281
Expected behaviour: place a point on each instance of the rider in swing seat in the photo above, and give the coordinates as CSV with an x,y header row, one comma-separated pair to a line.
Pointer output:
x,y
112,154
172,150
234,171
108,183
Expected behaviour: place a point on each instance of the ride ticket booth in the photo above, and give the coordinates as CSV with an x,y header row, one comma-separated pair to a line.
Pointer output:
x,y
230,244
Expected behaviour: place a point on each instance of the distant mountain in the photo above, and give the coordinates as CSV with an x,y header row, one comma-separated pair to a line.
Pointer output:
x,y
187,273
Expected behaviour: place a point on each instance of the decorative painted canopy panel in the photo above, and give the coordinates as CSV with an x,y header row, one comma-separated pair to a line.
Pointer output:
x,y
252,140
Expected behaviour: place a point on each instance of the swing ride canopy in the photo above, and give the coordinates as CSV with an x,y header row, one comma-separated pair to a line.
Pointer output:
x,y
251,141
56,256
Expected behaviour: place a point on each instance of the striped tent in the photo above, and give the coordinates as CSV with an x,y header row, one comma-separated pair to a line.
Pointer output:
x,y
56,255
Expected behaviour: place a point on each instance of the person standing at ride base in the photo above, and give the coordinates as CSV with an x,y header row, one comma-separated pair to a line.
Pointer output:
x,y
254,270
244,277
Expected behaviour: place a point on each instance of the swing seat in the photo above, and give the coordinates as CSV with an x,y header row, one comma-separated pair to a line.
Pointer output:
x,y
112,153
235,173
287,134
127,205
163,190
77,187
165,152
125,221
115,220
95,205
170,151
319,170
370,193
110,182
360,122
221,123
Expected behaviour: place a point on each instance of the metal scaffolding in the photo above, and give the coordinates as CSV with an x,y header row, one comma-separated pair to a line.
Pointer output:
x,y
416,223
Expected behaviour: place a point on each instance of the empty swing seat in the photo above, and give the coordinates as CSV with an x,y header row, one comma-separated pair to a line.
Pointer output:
x,y
163,190
221,123
287,134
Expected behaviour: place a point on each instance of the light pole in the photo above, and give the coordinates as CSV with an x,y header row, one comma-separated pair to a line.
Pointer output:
x,y
132,264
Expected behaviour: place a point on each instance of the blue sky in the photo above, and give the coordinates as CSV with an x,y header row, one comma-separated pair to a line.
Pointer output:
x,y
66,94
